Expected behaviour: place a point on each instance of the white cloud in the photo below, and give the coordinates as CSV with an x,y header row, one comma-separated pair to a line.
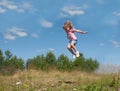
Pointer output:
x,y
26,6
2,10
11,5
45,50
51,49
18,31
72,10
34,35
100,1
116,13
46,24
101,44
8,4
14,32
9,36
111,20
40,50
115,43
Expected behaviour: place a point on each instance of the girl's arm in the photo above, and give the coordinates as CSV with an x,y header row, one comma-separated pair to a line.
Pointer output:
x,y
79,31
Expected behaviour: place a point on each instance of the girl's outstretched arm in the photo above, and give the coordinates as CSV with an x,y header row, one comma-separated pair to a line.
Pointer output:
x,y
79,31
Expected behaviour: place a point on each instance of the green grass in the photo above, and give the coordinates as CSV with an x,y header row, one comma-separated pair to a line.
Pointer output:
x,y
59,81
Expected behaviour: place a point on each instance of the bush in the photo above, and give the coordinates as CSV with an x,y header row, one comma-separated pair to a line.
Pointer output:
x,y
10,63
42,63
64,64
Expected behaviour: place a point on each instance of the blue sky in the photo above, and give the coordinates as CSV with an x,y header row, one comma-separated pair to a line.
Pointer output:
x,y
34,27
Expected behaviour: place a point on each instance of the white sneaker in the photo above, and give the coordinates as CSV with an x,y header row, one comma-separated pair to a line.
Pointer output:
x,y
77,54
73,56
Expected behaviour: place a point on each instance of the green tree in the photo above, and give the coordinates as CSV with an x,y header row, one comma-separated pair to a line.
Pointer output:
x,y
41,62
91,65
29,64
8,55
11,64
1,59
64,64
88,65
50,61
50,58
37,62
17,63
79,63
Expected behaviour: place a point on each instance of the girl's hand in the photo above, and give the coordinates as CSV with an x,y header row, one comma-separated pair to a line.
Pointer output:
x,y
84,32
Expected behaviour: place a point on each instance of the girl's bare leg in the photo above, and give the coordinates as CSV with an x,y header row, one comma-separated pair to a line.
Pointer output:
x,y
74,47
77,53
71,49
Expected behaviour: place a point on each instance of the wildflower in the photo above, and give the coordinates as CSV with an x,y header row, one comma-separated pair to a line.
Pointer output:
x,y
74,89
18,83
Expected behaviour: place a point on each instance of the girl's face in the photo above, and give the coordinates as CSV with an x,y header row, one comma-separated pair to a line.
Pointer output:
x,y
67,29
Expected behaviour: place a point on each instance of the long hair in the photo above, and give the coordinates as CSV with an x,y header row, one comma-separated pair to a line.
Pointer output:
x,y
67,24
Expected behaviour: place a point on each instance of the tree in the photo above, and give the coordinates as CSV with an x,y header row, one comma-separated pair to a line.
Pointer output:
x,y
11,63
29,64
50,58
1,59
17,63
91,65
37,62
64,64
88,65
50,61
8,55
80,63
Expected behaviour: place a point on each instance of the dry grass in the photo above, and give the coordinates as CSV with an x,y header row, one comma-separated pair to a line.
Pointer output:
x,y
47,81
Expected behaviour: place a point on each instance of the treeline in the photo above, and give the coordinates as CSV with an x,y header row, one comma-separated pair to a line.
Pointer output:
x,y
10,63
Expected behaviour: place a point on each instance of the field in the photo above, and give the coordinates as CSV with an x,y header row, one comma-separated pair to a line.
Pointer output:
x,y
59,81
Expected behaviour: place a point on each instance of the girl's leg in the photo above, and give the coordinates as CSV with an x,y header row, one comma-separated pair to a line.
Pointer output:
x,y
75,50
71,49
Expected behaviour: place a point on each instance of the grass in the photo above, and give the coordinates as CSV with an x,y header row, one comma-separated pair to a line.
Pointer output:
x,y
33,80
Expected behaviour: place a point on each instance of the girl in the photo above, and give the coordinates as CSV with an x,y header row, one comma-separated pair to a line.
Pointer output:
x,y
70,31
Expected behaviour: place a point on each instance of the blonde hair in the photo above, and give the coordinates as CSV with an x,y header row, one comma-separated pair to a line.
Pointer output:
x,y
67,24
